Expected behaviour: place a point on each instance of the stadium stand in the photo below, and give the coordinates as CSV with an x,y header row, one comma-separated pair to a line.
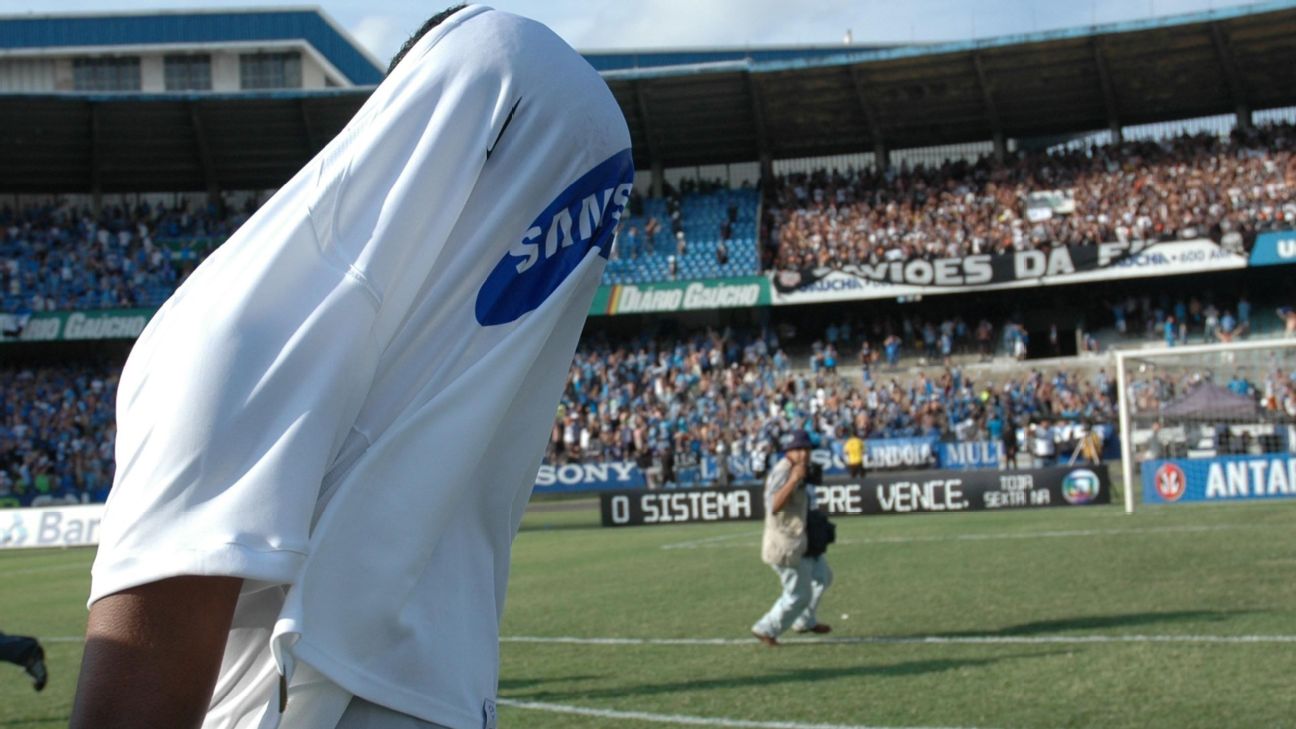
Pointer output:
x,y
60,257
627,398
1172,189
1162,190
57,430
698,383
705,234
636,400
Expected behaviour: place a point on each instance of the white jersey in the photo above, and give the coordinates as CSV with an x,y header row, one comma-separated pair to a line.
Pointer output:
x,y
351,397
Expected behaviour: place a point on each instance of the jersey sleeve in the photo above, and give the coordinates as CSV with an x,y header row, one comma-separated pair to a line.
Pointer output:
x,y
230,409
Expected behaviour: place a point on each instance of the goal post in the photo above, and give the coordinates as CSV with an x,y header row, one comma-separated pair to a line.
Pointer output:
x,y
1209,406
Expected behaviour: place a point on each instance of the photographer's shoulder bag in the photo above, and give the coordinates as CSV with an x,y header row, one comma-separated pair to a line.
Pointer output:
x,y
819,533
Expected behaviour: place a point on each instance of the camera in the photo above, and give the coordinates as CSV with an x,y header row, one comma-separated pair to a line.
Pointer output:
x,y
814,474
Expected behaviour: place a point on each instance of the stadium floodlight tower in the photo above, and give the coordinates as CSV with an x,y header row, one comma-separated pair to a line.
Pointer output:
x,y
1205,401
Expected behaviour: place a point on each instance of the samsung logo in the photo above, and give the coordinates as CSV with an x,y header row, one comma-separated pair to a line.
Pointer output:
x,y
581,218
563,232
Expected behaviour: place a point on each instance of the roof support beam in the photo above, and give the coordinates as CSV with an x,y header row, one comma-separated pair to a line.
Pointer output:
x,y
991,111
881,154
650,138
1108,91
205,160
312,139
758,111
763,151
1225,57
96,155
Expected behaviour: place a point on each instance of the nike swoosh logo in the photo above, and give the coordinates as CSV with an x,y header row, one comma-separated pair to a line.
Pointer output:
x,y
507,120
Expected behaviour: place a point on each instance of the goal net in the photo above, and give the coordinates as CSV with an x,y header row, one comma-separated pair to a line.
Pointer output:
x,y
1208,423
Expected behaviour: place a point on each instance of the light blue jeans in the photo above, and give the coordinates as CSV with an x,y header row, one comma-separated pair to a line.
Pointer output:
x,y
803,587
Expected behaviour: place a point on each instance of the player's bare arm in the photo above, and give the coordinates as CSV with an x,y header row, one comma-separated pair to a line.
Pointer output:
x,y
152,654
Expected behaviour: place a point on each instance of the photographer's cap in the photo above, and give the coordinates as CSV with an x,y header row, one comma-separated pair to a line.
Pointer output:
x,y
796,439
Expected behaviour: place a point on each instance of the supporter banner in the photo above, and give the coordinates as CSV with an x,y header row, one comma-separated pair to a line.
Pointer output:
x,y
977,454
1045,204
59,526
1062,265
1223,478
1272,249
892,453
63,326
574,477
880,454
897,493
702,295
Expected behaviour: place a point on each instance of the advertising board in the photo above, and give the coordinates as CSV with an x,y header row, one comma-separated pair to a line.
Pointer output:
x,y
1275,248
888,493
1223,478
880,454
68,326
676,296
53,526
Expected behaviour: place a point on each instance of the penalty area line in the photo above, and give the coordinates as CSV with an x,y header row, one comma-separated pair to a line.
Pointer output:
x,y
683,719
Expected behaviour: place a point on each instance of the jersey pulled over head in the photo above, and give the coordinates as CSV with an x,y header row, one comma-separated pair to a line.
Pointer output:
x,y
350,398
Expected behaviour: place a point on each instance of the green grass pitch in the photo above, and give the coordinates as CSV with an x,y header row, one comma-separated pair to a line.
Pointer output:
x,y
1171,617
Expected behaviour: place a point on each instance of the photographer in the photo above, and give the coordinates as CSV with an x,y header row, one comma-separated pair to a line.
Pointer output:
x,y
784,546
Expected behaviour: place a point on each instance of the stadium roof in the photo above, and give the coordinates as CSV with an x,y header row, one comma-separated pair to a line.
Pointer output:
x,y
1028,86
29,33
623,60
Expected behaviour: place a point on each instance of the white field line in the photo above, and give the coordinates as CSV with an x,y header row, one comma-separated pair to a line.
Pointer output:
x,y
916,640
695,543
877,640
680,719
713,542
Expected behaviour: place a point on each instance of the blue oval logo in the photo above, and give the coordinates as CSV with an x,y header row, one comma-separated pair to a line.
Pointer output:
x,y
1081,486
582,217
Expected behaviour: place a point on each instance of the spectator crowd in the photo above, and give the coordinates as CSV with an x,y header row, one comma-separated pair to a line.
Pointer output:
x,y
57,430
1268,382
58,257
724,393
1186,187
667,402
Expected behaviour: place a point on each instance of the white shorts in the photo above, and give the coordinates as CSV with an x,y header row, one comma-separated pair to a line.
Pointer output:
x,y
322,703
249,682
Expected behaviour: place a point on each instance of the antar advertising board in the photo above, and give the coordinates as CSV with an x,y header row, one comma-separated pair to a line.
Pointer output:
x,y
1224,478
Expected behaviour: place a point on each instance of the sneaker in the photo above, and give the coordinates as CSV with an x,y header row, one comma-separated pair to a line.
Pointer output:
x,y
36,668
817,628
768,640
